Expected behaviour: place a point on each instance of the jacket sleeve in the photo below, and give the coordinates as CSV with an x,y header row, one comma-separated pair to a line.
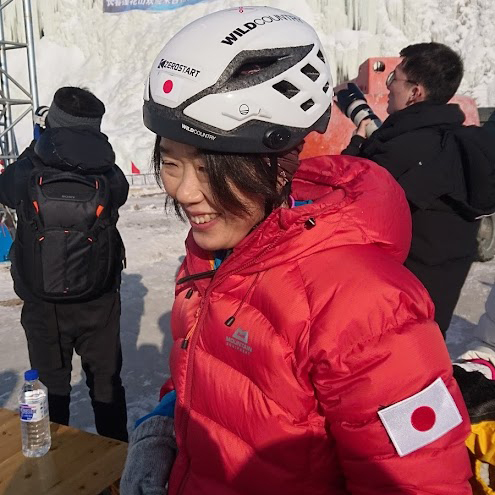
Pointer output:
x,y
167,387
354,146
13,187
388,367
8,195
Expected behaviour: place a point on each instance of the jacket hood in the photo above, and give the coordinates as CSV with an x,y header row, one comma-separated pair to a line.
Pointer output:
x,y
80,149
355,202
420,115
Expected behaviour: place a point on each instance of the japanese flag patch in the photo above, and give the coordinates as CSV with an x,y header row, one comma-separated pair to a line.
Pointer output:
x,y
421,419
171,86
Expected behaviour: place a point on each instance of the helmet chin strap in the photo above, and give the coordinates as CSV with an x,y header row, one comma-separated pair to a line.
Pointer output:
x,y
282,179
281,173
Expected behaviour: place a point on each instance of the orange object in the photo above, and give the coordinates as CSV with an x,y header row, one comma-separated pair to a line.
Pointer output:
x,y
99,210
36,207
371,80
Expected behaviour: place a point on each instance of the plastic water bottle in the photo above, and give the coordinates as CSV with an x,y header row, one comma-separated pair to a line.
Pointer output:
x,y
35,421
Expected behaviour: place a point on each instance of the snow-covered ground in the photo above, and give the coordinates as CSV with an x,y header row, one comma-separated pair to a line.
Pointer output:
x,y
111,54
155,245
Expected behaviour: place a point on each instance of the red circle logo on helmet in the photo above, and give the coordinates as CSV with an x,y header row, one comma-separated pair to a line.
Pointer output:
x,y
168,86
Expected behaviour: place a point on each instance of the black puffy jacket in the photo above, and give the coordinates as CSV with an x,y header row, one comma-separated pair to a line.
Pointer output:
x,y
414,145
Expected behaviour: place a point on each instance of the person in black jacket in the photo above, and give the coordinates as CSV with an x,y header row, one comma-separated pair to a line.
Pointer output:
x,y
413,144
73,144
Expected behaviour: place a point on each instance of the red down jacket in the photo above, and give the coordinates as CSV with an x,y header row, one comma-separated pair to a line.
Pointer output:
x,y
329,328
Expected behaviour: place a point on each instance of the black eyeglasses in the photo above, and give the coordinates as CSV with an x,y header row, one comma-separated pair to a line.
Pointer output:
x,y
391,78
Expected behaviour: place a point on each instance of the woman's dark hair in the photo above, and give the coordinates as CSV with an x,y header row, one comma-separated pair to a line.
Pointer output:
x,y
248,173
436,66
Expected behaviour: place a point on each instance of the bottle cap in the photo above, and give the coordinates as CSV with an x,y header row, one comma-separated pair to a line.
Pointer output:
x,y
31,375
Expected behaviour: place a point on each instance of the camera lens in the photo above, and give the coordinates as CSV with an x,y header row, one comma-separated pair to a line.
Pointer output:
x,y
353,104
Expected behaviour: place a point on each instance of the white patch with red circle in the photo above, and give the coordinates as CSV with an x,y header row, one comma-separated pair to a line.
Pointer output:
x,y
421,419
171,86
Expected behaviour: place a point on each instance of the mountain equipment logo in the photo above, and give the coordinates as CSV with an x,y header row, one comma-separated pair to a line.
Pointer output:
x,y
239,341
241,335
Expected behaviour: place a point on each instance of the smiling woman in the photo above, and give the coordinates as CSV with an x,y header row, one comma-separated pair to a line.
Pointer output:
x,y
230,177
222,196
298,360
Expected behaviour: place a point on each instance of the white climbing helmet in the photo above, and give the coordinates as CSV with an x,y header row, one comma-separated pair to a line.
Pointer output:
x,y
241,80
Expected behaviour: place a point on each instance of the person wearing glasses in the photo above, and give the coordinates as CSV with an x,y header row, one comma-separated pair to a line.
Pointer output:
x,y
411,145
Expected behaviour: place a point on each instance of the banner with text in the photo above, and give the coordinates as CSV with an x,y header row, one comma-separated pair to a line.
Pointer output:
x,y
154,5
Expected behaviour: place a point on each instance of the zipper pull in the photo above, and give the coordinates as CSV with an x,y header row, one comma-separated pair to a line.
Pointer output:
x,y
230,321
185,342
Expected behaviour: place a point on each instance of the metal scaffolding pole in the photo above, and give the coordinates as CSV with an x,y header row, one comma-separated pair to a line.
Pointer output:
x,y
26,104
7,140
16,102
33,81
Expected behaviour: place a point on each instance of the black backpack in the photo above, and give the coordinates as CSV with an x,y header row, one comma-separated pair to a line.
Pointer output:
x,y
68,248
462,174
477,149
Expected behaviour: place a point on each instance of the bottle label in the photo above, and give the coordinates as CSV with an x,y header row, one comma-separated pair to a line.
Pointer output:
x,y
34,407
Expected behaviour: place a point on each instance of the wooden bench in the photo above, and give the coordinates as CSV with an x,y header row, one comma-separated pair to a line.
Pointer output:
x,y
78,463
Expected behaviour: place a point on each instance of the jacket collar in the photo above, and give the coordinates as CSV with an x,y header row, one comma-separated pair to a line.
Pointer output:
x,y
417,116
356,202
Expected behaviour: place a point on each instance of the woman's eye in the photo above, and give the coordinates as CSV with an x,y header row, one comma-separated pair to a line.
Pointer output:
x,y
166,163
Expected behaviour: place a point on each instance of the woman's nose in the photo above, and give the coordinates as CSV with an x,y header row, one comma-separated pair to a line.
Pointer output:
x,y
189,190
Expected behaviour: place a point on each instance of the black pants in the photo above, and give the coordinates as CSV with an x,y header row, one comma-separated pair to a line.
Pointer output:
x,y
92,329
444,283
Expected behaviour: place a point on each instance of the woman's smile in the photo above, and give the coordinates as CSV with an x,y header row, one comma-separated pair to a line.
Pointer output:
x,y
202,219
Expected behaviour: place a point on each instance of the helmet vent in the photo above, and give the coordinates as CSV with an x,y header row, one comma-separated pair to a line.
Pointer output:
x,y
320,56
286,88
307,105
326,87
251,67
311,72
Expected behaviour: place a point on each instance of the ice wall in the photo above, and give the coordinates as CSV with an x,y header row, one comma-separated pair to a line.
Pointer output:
x,y
111,53
352,29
